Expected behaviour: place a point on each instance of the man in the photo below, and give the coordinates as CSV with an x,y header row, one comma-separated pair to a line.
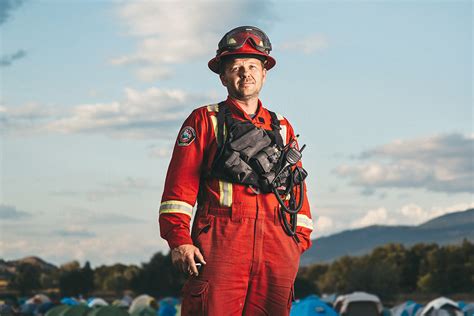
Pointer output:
x,y
248,260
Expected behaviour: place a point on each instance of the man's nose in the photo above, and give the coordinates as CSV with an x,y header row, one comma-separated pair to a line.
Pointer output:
x,y
244,71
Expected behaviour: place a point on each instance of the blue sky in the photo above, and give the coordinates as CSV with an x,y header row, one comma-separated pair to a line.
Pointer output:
x,y
93,94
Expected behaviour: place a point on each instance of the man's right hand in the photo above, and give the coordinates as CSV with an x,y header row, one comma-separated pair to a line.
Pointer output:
x,y
183,259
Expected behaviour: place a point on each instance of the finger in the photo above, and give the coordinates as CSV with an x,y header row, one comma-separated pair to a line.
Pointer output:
x,y
183,267
192,266
199,256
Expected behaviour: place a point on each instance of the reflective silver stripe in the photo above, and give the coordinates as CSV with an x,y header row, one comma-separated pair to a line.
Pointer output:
x,y
283,133
225,188
225,193
213,108
214,125
283,128
304,221
174,206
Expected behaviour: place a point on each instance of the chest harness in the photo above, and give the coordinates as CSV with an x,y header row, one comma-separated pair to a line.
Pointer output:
x,y
256,157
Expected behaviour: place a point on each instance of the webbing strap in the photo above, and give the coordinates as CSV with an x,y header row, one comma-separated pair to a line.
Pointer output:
x,y
223,116
276,127
220,125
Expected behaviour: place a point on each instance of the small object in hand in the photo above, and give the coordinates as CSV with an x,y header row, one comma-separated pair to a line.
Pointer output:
x,y
199,265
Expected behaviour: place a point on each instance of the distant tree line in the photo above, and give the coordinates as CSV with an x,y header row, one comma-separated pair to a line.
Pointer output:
x,y
157,278
387,271
393,269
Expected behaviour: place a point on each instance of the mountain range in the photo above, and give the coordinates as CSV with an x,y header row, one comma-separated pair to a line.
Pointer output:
x,y
447,229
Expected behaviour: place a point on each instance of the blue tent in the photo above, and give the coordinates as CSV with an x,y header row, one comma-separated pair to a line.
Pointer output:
x,y
409,308
311,306
168,306
69,301
467,308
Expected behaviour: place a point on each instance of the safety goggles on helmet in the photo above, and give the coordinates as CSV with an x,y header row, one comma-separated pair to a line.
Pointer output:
x,y
237,37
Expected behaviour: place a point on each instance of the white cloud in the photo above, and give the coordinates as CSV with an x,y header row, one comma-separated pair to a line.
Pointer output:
x,y
307,45
377,216
152,113
415,214
441,163
179,31
323,226
409,214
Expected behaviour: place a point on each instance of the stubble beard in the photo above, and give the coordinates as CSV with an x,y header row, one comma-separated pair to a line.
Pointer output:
x,y
241,95
246,97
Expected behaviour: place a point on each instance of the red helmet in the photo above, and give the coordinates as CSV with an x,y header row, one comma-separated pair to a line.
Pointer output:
x,y
243,40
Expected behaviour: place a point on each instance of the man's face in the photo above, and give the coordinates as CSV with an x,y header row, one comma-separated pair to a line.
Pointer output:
x,y
243,78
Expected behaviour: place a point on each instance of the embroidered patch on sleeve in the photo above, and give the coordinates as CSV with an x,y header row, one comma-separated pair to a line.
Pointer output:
x,y
186,136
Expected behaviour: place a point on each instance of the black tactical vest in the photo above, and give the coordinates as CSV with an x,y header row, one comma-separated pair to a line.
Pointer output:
x,y
245,152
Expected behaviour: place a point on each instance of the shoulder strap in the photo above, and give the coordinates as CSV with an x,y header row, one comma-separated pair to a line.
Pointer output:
x,y
224,117
276,128
220,124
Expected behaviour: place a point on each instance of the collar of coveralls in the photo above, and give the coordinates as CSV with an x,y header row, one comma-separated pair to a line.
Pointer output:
x,y
237,109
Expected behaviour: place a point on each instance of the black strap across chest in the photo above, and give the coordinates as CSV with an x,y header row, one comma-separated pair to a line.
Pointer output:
x,y
225,118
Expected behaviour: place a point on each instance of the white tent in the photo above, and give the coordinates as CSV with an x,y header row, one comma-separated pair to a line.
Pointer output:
x,y
442,306
38,299
142,301
97,302
358,303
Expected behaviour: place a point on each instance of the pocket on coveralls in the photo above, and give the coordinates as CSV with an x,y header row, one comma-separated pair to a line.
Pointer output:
x,y
195,296
200,236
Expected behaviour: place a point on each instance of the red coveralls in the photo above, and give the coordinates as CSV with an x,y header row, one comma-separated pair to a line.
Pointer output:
x,y
251,262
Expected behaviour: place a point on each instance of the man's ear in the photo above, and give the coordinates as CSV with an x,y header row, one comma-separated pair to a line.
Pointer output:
x,y
223,80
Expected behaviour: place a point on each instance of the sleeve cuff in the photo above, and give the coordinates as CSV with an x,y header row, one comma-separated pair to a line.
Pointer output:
x,y
178,240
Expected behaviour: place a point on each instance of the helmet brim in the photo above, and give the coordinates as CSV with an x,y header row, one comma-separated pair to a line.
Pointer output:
x,y
214,63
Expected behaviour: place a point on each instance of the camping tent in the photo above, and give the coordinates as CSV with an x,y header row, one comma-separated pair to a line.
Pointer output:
x,y
56,311
107,311
97,302
141,301
38,299
144,311
468,309
311,306
125,301
358,303
167,306
68,310
69,301
28,309
409,308
442,306
44,307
